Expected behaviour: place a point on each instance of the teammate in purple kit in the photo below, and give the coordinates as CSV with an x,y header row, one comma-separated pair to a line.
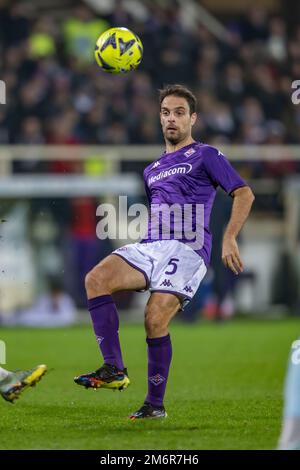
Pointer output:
x,y
172,260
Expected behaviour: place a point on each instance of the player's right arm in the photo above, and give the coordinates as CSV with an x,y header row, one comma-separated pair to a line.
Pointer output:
x,y
221,173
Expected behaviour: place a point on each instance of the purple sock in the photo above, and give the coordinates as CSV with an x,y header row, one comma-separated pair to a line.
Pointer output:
x,y
159,360
106,326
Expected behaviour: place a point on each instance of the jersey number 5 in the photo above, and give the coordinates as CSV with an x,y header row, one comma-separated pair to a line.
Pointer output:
x,y
172,263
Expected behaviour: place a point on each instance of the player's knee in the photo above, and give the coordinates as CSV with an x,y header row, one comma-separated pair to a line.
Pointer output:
x,y
155,321
158,314
154,326
90,280
96,281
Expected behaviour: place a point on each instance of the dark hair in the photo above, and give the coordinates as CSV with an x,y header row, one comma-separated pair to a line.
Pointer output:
x,y
179,90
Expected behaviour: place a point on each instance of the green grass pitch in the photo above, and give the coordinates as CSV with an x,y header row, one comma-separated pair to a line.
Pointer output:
x,y
224,392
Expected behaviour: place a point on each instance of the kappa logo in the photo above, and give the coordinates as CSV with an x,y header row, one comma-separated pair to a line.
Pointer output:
x,y
157,379
189,152
188,289
156,164
167,283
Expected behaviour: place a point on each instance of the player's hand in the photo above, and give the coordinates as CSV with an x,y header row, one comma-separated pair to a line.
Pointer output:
x,y
231,255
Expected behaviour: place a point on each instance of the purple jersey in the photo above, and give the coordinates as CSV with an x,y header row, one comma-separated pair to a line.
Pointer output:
x,y
187,180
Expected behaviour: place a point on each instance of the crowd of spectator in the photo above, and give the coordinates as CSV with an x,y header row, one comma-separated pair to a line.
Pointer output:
x,y
57,94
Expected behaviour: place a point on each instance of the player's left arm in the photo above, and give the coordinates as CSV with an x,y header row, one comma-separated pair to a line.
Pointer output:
x,y
242,201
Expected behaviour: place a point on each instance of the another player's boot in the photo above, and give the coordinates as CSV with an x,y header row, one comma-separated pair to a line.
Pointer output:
x,y
17,381
149,411
108,376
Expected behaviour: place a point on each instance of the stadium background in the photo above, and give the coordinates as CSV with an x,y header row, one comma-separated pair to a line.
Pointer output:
x,y
72,137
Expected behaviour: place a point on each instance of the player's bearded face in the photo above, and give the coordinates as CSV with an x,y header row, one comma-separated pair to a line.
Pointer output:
x,y
176,119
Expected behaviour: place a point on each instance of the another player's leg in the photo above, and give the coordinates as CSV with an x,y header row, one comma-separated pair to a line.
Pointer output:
x,y
14,382
111,275
160,309
290,434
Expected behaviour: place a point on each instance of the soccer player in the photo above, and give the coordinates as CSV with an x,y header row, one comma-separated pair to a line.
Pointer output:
x,y
13,383
290,432
166,262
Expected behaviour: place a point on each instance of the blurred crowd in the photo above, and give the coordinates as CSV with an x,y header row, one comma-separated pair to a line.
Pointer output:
x,y
56,94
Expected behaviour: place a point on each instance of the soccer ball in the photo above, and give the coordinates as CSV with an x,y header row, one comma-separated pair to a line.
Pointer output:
x,y
118,50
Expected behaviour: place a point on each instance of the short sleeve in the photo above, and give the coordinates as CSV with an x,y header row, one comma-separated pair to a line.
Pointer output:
x,y
147,190
220,171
